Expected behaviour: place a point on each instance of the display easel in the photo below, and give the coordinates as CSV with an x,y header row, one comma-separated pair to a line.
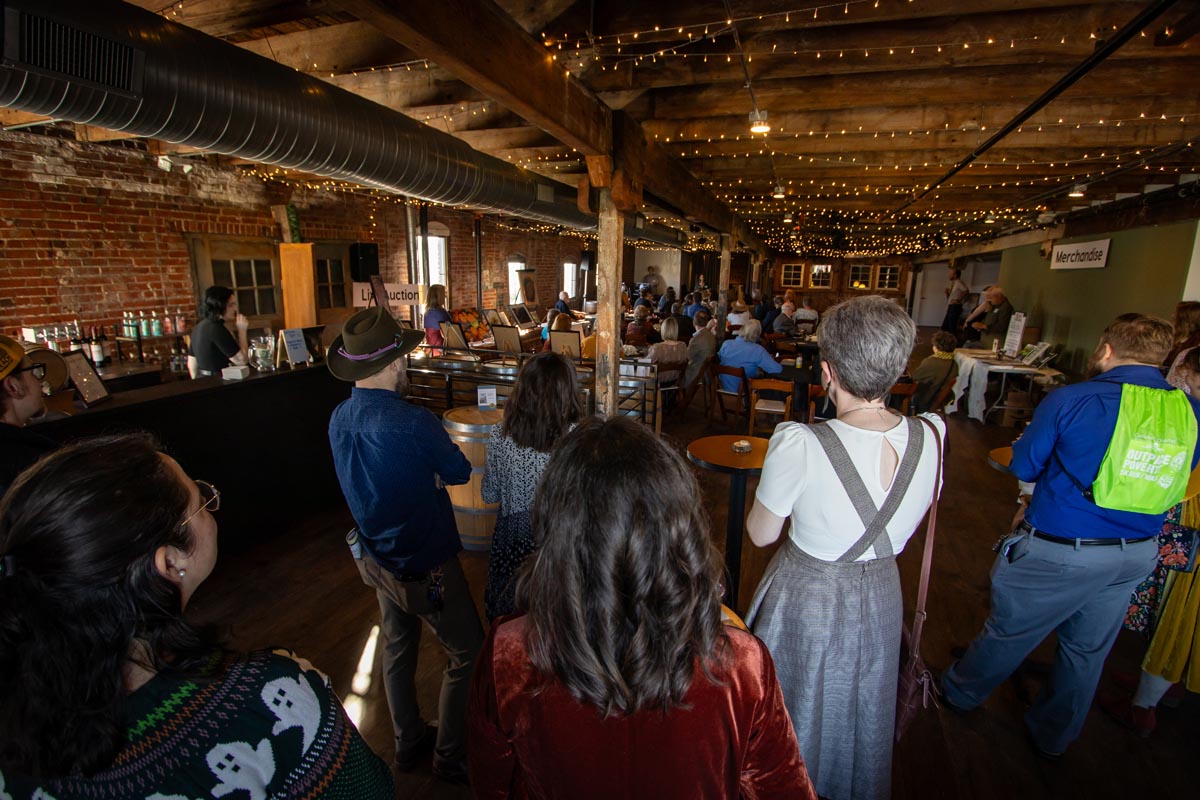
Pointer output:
x,y
292,347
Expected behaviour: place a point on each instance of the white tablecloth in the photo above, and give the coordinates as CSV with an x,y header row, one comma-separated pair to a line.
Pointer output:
x,y
974,367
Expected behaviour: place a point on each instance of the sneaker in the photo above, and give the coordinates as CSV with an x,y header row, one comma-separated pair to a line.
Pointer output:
x,y
1121,708
1129,682
451,773
412,757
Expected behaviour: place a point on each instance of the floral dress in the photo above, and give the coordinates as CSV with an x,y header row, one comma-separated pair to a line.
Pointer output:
x,y
1146,602
510,479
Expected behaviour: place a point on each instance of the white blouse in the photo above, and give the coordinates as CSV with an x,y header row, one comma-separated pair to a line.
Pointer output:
x,y
798,480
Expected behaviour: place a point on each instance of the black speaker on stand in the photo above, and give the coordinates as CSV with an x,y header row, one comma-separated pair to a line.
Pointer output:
x,y
364,261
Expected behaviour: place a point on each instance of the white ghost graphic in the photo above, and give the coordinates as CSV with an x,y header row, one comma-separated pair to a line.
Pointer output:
x,y
295,705
237,765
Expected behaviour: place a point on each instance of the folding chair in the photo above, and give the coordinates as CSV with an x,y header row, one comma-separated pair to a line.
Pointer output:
x,y
671,388
905,392
764,405
703,380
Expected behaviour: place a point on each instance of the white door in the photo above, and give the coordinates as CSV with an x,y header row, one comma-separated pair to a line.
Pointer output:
x,y
930,308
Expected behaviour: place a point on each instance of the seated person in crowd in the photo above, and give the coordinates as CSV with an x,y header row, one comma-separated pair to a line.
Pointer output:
x,y
739,314
785,323
109,690
563,306
645,299
20,401
993,324
435,314
213,346
686,328
744,351
670,349
620,673
626,306
664,302
702,345
561,323
935,371
691,304
806,313
640,332
551,315
773,313
970,332
762,306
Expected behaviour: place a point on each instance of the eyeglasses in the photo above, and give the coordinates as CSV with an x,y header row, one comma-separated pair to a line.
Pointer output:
x,y
211,497
38,370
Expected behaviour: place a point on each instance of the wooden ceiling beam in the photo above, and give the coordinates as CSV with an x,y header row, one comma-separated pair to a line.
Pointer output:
x,y
496,56
331,48
231,18
1016,84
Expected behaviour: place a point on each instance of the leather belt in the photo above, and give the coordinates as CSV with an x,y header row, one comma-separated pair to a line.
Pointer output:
x,y
1117,541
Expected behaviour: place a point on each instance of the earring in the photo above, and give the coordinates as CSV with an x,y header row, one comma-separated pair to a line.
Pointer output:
x,y
182,572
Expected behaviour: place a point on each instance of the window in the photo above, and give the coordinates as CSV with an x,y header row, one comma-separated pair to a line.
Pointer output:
x,y
438,250
515,294
252,281
570,277
860,276
888,277
331,283
793,275
821,276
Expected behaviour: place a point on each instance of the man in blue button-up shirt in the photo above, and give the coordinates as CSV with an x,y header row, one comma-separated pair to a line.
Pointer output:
x,y
1071,565
393,460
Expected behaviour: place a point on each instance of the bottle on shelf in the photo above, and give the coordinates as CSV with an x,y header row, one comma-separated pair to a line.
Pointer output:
x,y
97,347
76,341
156,326
143,324
106,345
180,322
52,341
168,324
126,327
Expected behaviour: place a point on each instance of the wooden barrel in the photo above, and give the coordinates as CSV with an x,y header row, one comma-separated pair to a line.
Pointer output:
x,y
469,427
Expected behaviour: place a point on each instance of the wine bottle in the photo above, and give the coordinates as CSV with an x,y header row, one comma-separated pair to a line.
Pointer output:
x,y
76,339
97,348
105,345
143,324
156,326
168,324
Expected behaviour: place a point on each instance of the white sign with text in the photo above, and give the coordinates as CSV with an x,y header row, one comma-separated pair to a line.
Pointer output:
x,y
1081,255
400,294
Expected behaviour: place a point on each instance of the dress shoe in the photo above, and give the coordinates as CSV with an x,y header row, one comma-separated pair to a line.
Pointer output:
x,y
1129,682
1121,708
413,756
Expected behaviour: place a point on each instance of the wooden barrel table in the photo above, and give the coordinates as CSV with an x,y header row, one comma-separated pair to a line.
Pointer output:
x,y
469,428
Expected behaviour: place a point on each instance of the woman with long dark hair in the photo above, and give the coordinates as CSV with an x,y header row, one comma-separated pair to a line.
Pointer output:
x,y
108,690
213,347
621,679
544,405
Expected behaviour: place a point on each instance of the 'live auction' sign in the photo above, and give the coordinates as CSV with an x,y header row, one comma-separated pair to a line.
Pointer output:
x,y
400,294
1081,255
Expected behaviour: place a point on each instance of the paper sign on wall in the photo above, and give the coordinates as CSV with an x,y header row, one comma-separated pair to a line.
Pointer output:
x,y
1081,255
293,346
399,294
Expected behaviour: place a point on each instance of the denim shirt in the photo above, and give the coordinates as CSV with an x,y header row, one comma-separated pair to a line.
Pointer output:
x,y
389,454
1077,423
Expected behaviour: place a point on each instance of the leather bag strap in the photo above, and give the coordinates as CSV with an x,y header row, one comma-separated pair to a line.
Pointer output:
x,y
927,554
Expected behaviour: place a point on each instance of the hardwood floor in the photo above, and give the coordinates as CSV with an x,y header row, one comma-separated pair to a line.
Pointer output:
x,y
299,589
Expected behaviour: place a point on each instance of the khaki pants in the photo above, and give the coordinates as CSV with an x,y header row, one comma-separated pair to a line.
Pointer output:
x,y
403,606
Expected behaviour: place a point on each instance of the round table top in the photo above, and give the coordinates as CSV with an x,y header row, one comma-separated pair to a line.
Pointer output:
x,y
716,453
1000,458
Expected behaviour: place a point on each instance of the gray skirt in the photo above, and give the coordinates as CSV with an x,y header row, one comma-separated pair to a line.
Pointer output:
x,y
834,632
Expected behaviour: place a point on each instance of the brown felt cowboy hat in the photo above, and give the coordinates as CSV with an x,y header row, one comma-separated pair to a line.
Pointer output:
x,y
370,340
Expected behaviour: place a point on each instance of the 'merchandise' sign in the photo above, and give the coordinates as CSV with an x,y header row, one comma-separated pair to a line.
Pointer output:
x,y
1081,255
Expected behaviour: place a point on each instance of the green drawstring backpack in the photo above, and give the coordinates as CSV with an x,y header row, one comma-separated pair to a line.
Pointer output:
x,y
1149,458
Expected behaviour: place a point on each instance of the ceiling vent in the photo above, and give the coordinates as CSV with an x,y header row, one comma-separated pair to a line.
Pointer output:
x,y
46,46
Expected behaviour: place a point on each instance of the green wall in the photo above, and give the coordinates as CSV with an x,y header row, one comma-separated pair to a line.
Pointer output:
x,y
1146,271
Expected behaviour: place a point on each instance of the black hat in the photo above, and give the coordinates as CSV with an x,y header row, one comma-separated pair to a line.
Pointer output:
x,y
370,340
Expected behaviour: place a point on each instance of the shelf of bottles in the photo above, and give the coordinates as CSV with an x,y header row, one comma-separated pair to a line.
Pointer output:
x,y
148,338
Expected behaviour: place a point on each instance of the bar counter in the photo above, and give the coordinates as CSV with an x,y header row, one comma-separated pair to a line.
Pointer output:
x,y
263,440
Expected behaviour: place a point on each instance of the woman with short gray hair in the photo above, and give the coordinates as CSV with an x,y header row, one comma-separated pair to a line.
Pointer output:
x,y
829,606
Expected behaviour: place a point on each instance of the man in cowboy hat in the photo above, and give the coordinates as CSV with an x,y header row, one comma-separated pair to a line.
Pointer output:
x,y
393,460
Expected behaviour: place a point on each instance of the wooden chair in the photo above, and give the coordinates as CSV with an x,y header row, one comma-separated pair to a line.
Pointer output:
x,y
815,393
763,405
938,406
905,392
770,342
671,389
703,380
740,396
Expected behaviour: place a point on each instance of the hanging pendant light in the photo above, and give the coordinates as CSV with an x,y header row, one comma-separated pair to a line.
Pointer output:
x,y
779,194
758,122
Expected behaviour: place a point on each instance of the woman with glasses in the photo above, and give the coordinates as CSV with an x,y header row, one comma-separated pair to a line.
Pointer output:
x,y
20,400
108,690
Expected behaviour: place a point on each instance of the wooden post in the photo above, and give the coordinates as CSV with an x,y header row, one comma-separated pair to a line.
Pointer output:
x,y
723,289
610,249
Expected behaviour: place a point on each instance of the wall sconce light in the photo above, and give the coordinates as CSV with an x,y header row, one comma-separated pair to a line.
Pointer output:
x,y
758,122
779,194
164,163
1077,191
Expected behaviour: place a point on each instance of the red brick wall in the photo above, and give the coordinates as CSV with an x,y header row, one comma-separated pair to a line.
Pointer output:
x,y
88,231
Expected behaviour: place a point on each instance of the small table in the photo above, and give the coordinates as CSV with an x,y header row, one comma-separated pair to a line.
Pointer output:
x,y
1000,459
716,453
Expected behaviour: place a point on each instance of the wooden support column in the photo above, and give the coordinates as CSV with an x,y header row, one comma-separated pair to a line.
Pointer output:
x,y
610,249
723,299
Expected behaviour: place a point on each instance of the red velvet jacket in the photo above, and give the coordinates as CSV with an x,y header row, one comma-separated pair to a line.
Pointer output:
x,y
730,741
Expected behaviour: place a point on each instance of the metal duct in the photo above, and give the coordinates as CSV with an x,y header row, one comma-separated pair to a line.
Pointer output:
x,y
116,66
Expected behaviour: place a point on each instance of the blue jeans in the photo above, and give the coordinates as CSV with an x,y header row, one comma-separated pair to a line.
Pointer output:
x,y
1039,587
